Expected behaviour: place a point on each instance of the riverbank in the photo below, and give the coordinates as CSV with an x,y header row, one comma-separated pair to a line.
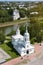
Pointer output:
x,y
13,22
39,19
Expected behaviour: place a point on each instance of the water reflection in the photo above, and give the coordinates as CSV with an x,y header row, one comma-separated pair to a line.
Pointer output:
x,y
7,30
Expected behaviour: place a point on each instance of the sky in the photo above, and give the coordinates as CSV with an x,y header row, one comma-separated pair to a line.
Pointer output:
x,y
21,0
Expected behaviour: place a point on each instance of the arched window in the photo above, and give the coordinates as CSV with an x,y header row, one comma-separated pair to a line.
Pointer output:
x,y
25,39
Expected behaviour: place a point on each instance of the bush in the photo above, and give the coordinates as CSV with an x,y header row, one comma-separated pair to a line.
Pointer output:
x,y
22,13
33,40
2,38
18,18
10,34
39,37
22,29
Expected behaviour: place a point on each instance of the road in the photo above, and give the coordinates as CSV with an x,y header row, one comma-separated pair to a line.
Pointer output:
x,y
36,61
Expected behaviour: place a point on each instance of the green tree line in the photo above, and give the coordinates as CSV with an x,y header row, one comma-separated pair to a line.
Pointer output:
x,y
5,15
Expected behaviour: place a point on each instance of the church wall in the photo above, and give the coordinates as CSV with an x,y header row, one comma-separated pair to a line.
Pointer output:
x,y
23,47
31,51
16,15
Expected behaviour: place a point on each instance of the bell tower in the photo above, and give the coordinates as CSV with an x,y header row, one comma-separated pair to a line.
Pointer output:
x,y
26,35
26,38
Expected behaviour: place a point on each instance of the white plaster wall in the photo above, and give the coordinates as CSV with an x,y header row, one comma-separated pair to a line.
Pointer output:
x,y
16,16
32,51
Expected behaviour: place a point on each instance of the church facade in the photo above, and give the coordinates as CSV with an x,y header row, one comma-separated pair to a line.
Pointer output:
x,y
22,43
16,14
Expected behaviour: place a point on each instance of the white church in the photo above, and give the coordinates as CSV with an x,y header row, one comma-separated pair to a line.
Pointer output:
x,y
16,14
22,43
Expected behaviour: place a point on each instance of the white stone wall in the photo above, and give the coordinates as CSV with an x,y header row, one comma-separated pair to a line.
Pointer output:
x,y
16,15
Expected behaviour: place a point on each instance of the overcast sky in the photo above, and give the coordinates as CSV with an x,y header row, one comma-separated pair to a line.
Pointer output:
x,y
21,0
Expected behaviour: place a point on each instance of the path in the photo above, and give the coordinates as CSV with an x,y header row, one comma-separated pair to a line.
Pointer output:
x,y
36,61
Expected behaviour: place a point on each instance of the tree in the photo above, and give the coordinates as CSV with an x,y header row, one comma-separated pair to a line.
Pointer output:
x,y
28,13
10,11
5,16
40,37
22,13
22,28
2,36
34,29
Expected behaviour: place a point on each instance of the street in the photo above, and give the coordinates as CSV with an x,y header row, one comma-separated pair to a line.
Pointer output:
x,y
36,61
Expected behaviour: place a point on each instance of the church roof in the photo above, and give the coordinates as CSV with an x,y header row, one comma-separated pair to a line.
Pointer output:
x,y
17,36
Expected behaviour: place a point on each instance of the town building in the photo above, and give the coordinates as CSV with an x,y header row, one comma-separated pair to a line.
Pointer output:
x,y
21,5
34,13
16,14
22,43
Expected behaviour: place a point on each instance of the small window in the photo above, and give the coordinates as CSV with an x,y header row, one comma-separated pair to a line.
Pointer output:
x,y
25,39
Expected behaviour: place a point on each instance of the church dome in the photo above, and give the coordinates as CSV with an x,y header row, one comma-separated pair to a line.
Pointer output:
x,y
18,35
18,31
26,34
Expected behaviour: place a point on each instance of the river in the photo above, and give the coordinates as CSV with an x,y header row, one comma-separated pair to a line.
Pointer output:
x,y
7,30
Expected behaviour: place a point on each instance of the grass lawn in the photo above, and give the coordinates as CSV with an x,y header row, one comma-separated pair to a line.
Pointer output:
x,y
9,49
